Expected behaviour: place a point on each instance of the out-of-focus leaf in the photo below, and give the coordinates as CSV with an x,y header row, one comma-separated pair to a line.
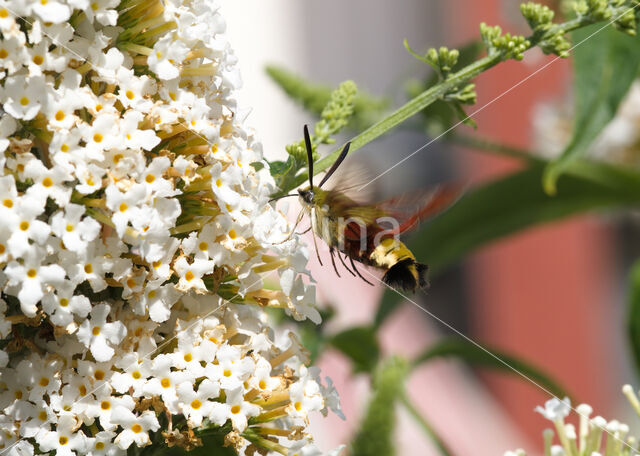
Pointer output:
x,y
375,435
511,204
489,358
634,313
605,65
360,345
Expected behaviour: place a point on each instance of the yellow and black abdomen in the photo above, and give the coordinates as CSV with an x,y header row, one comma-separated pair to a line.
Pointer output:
x,y
402,270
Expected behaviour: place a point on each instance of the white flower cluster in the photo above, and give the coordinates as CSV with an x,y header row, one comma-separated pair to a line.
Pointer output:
x,y
594,437
134,210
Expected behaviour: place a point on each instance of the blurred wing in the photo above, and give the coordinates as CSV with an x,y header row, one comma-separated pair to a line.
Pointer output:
x,y
396,215
410,209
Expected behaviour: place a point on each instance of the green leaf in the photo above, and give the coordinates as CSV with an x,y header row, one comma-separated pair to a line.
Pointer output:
x,y
511,204
489,358
605,65
375,435
360,345
634,313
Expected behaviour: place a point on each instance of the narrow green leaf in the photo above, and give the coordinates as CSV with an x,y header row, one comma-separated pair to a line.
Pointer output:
x,y
513,203
634,313
489,358
426,427
360,345
605,65
375,435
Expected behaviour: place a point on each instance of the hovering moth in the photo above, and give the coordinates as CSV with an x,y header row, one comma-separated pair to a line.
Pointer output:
x,y
369,233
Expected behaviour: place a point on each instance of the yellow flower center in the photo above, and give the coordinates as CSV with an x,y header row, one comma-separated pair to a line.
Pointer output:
x,y
88,268
150,178
165,382
7,203
44,381
42,415
196,404
136,375
38,59
136,428
98,137
31,273
64,148
24,101
129,94
123,207
24,226
203,246
105,405
3,53
64,302
235,409
227,373
188,358
47,182
99,445
63,440
99,375
96,331
69,228
60,116
189,276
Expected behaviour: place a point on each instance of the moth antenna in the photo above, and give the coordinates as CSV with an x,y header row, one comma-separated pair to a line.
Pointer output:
x,y
307,143
353,265
336,163
333,260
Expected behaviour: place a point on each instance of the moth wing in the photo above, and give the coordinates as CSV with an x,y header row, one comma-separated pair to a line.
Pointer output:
x,y
409,209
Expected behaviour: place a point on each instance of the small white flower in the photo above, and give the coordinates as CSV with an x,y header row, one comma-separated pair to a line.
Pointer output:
x,y
75,232
555,409
99,336
135,428
236,409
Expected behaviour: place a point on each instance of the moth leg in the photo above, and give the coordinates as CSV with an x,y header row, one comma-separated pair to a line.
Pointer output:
x,y
345,265
333,260
305,231
353,265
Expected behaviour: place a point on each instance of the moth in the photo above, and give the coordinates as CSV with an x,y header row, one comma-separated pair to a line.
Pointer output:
x,y
369,233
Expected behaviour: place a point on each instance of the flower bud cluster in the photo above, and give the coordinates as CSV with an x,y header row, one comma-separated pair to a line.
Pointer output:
x,y
510,47
135,239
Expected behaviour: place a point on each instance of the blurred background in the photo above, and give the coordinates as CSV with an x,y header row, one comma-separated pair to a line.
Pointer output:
x,y
553,295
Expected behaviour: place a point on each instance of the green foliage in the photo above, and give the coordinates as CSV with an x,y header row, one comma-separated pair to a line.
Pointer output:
x,y
375,435
314,98
333,118
477,356
604,68
360,345
633,318
513,203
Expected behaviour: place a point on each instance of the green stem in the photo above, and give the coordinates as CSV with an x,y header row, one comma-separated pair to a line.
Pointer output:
x,y
424,424
433,94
